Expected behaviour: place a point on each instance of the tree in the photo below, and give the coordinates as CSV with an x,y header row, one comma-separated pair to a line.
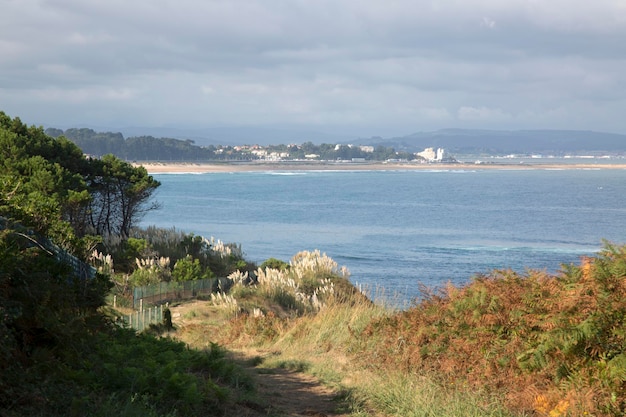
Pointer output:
x,y
39,180
189,269
48,184
120,196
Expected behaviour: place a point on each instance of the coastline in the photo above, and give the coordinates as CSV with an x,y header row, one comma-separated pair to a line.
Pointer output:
x,y
204,168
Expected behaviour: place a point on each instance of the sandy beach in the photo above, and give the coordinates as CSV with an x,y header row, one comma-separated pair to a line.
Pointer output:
x,y
199,168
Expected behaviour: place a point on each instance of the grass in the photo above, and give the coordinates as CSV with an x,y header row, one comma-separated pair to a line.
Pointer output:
x,y
402,394
159,377
326,344
505,344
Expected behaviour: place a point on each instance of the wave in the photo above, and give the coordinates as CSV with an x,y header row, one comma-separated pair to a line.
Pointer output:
x,y
353,258
178,173
441,170
285,173
579,250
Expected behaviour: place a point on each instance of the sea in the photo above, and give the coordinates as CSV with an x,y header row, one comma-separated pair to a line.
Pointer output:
x,y
399,231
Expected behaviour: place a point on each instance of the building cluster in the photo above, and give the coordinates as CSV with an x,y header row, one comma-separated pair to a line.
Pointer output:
x,y
363,148
431,155
266,154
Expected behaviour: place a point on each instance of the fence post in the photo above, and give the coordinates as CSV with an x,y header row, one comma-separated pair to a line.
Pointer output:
x,y
141,304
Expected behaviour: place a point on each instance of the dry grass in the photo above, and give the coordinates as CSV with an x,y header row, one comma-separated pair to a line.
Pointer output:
x,y
549,345
538,344
326,341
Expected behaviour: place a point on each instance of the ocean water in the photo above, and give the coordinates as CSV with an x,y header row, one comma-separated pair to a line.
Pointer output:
x,y
397,230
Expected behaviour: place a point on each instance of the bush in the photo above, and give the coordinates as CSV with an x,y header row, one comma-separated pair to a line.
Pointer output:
x,y
189,269
555,344
274,263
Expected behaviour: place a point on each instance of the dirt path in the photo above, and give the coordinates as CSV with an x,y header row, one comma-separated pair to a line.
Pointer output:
x,y
284,392
295,394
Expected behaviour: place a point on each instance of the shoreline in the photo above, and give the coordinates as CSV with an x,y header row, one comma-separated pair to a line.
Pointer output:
x,y
231,167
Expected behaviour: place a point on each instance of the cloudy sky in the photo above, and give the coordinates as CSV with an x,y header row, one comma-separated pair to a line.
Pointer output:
x,y
367,67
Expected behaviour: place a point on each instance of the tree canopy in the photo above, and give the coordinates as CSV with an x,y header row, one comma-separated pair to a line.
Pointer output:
x,y
141,148
48,184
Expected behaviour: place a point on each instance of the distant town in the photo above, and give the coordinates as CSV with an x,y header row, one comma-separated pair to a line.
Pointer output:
x,y
148,148
447,146
361,153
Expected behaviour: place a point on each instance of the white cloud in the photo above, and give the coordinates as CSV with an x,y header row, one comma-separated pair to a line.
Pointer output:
x,y
364,64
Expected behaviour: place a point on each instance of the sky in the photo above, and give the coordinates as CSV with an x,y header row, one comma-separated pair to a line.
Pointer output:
x,y
361,67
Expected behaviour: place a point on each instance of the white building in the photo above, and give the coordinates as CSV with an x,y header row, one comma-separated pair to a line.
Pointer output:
x,y
431,155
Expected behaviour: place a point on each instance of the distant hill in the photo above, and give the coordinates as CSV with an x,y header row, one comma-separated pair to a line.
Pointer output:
x,y
232,136
144,148
493,142
174,143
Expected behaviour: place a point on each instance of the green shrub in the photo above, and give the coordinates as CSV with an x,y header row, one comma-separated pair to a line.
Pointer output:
x,y
274,263
189,269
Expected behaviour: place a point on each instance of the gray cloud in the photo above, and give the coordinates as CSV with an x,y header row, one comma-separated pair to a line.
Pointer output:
x,y
382,67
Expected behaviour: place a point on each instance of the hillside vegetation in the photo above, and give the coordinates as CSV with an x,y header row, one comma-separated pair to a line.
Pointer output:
x,y
504,344
62,354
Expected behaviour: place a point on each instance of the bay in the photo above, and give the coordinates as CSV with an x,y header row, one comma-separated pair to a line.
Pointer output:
x,y
395,230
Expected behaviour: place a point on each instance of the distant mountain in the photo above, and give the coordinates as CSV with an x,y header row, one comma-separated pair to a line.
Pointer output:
x,y
494,142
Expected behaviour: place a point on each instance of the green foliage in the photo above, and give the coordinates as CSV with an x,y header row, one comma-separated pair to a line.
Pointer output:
x,y
120,189
135,247
161,372
120,372
60,354
214,257
47,184
143,148
146,276
126,251
43,309
35,190
188,269
274,263
51,330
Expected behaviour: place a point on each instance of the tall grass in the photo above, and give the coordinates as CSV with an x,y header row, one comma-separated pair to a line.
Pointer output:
x,y
506,343
325,339
327,343
409,395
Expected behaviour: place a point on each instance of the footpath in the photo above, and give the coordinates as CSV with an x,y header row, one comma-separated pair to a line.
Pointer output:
x,y
283,392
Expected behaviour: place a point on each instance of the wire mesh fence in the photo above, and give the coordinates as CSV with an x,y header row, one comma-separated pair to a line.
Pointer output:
x,y
149,301
169,291
142,319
